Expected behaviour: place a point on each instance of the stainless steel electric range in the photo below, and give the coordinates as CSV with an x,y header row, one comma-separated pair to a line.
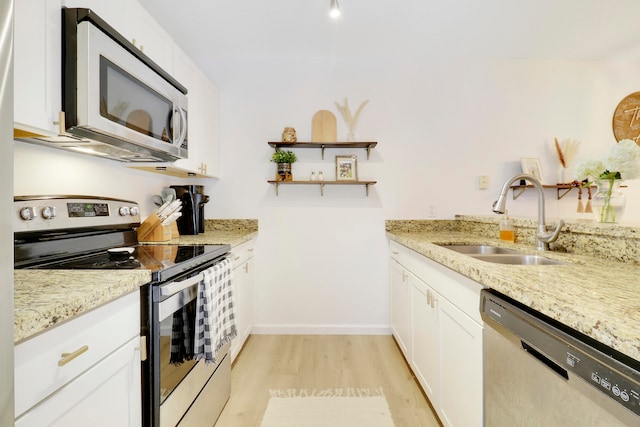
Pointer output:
x,y
86,232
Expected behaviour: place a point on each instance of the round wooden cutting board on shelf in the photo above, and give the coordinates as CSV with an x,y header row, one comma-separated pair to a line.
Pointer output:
x,y
626,118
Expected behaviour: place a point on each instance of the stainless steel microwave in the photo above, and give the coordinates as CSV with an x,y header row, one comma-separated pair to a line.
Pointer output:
x,y
117,102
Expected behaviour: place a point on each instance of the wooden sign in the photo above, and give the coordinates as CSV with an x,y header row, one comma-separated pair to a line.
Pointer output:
x,y
323,127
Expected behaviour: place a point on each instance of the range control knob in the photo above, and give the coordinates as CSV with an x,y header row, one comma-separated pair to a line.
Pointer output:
x,y
123,211
134,211
48,212
28,213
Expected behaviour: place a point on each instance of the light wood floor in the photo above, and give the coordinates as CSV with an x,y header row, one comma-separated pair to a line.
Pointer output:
x,y
322,362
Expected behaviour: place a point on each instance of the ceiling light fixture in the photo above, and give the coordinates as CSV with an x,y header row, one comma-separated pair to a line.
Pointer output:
x,y
334,9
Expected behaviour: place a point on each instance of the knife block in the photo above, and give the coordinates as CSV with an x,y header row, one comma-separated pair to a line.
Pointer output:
x,y
152,230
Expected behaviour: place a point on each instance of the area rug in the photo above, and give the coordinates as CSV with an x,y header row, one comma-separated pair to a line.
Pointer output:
x,y
337,407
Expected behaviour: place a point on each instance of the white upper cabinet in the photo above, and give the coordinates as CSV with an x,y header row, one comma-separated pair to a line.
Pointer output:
x,y
37,62
147,35
203,116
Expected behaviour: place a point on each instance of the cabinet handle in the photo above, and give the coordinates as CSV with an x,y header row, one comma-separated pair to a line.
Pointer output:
x,y
143,348
250,249
237,258
404,275
68,357
61,123
395,252
434,300
428,297
246,267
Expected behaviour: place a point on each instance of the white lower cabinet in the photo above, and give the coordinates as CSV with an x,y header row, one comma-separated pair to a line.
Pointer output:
x,y
83,372
425,354
400,306
243,278
445,344
461,387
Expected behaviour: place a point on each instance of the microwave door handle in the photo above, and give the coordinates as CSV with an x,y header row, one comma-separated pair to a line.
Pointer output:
x,y
183,128
175,287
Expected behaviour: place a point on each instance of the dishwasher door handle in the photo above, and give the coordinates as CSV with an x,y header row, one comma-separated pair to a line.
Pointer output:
x,y
544,359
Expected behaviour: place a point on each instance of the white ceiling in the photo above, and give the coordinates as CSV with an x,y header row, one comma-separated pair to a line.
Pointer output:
x,y
400,29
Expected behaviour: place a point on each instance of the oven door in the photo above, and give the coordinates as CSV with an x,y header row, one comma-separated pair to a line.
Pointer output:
x,y
173,379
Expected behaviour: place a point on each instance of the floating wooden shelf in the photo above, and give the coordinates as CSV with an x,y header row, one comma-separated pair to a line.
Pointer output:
x,y
323,145
562,189
321,184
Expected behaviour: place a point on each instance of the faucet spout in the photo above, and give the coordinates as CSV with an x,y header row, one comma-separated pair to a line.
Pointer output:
x,y
543,237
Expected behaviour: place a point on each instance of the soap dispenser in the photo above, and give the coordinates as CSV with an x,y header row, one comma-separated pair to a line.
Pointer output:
x,y
507,232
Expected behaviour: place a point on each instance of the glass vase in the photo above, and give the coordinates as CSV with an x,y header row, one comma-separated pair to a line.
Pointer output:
x,y
608,203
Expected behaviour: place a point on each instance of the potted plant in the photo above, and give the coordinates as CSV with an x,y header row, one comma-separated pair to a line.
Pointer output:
x,y
284,159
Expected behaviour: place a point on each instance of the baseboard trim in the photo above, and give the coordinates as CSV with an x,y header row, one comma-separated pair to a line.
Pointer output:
x,y
321,330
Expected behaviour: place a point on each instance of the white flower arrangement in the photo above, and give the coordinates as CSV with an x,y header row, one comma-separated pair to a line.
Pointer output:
x,y
622,162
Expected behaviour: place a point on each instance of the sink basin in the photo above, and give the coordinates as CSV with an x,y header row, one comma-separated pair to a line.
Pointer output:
x,y
518,259
480,249
499,255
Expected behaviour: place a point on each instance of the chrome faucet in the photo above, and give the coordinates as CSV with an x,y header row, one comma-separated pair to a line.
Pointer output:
x,y
543,237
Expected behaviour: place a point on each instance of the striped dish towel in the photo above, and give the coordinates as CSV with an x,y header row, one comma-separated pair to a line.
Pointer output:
x,y
215,316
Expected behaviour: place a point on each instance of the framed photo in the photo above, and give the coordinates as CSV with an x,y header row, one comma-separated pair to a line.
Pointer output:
x,y
531,166
346,168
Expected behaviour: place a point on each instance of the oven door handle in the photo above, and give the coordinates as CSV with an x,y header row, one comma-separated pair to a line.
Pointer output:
x,y
175,287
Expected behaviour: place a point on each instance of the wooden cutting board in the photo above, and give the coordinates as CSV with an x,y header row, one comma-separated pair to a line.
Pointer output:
x,y
323,127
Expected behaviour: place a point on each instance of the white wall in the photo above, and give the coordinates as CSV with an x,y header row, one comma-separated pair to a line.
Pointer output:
x,y
322,261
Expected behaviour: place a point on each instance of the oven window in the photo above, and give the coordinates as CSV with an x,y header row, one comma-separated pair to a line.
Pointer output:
x,y
129,102
176,348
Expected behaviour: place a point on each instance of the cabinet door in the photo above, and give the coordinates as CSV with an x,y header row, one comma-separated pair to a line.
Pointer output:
x,y
187,73
209,129
147,35
37,66
243,300
107,395
461,403
425,355
243,278
400,307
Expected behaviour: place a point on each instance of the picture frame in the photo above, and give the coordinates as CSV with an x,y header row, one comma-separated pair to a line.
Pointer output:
x,y
532,166
346,168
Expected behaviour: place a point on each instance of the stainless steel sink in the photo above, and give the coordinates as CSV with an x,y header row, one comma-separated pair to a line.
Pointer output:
x,y
499,255
518,259
480,249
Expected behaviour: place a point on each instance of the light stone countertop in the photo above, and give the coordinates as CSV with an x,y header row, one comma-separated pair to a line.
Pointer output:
x,y
46,298
598,297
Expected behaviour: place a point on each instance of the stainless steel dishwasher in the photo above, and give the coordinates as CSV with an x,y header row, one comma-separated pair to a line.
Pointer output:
x,y
538,372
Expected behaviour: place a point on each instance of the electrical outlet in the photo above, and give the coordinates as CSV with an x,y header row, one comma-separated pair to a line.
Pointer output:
x,y
483,182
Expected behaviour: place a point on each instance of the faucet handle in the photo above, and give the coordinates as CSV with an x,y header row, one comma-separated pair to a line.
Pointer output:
x,y
547,237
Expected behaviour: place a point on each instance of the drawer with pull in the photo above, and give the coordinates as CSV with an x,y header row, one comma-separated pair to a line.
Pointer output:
x,y
241,253
48,361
